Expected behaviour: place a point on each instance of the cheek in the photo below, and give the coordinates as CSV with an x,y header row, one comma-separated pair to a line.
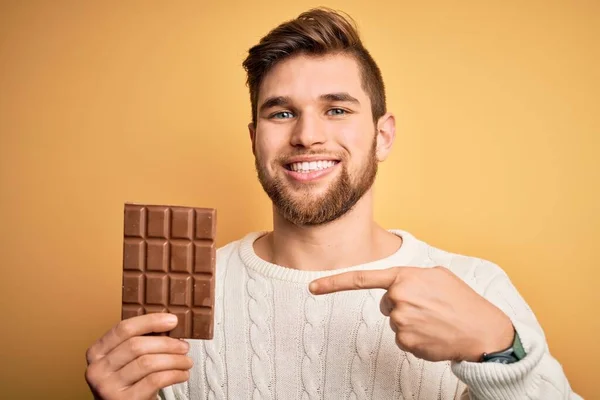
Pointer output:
x,y
267,148
357,141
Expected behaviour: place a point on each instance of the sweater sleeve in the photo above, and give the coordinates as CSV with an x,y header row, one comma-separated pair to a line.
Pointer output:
x,y
537,376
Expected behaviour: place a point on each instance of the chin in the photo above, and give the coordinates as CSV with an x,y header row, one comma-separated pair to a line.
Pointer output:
x,y
311,194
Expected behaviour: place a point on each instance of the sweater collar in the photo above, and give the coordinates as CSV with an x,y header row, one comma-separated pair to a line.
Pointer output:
x,y
402,257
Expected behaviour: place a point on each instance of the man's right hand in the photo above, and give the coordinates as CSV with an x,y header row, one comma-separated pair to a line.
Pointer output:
x,y
125,364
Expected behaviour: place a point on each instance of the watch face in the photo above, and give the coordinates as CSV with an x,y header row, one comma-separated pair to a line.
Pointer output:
x,y
505,357
503,360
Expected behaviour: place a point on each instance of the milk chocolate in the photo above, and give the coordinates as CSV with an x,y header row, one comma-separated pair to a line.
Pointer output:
x,y
169,259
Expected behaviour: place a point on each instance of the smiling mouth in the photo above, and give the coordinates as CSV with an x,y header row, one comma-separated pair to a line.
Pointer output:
x,y
310,166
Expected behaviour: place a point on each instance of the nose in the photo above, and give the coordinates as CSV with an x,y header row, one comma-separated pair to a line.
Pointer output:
x,y
308,131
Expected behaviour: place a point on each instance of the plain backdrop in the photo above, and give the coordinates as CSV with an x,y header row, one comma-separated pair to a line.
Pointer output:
x,y
105,102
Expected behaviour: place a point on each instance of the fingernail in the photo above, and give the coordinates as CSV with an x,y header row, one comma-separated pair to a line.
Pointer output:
x,y
171,318
313,287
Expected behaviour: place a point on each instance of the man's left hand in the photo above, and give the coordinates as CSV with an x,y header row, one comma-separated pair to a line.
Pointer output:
x,y
436,316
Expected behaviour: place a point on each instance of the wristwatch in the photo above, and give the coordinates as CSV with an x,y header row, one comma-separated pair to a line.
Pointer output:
x,y
511,355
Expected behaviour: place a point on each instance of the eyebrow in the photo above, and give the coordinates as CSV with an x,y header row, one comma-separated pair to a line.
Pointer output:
x,y
283,101
341,97
278,101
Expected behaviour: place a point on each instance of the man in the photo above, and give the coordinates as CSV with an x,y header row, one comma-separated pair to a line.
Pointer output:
x,y
329,304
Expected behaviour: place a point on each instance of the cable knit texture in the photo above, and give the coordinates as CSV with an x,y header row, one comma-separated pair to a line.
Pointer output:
x,y
366,345
275,340
314,342
260,310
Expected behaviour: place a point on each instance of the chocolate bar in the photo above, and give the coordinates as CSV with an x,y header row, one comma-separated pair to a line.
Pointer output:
x,y
169,262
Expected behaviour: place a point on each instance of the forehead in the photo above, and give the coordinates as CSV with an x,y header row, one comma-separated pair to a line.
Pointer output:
x,y
306,77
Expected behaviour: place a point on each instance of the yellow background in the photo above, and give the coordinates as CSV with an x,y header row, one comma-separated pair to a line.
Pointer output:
x,y
107,102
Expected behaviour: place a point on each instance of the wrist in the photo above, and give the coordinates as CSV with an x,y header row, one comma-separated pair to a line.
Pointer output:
x,y
513,354
503,339
499,338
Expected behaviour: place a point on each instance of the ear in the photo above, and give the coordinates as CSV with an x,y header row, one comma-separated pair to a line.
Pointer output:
x,y
252,132
386,134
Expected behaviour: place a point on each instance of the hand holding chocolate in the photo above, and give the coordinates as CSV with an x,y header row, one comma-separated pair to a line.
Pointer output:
x,y
169,260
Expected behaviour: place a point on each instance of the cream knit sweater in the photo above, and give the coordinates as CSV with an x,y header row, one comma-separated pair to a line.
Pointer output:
x,y
274,340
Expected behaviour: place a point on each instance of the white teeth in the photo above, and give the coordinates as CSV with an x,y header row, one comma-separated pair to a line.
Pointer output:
x,y
306,166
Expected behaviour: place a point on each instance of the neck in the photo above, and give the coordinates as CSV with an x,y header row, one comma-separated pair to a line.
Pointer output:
x,y
353,239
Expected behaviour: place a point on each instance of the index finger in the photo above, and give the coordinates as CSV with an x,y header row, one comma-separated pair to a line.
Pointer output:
x,y
128,328
355,280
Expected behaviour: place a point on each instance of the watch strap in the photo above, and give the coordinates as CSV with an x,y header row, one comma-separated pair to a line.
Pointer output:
x,y
518,347
511,355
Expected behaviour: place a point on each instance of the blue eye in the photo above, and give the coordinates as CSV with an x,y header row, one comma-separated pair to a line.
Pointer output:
x,y
282,115
337,111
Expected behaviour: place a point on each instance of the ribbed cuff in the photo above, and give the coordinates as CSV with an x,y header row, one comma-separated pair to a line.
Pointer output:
x,y
496,381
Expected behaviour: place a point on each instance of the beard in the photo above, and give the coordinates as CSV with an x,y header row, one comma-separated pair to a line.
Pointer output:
x,y
302,208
